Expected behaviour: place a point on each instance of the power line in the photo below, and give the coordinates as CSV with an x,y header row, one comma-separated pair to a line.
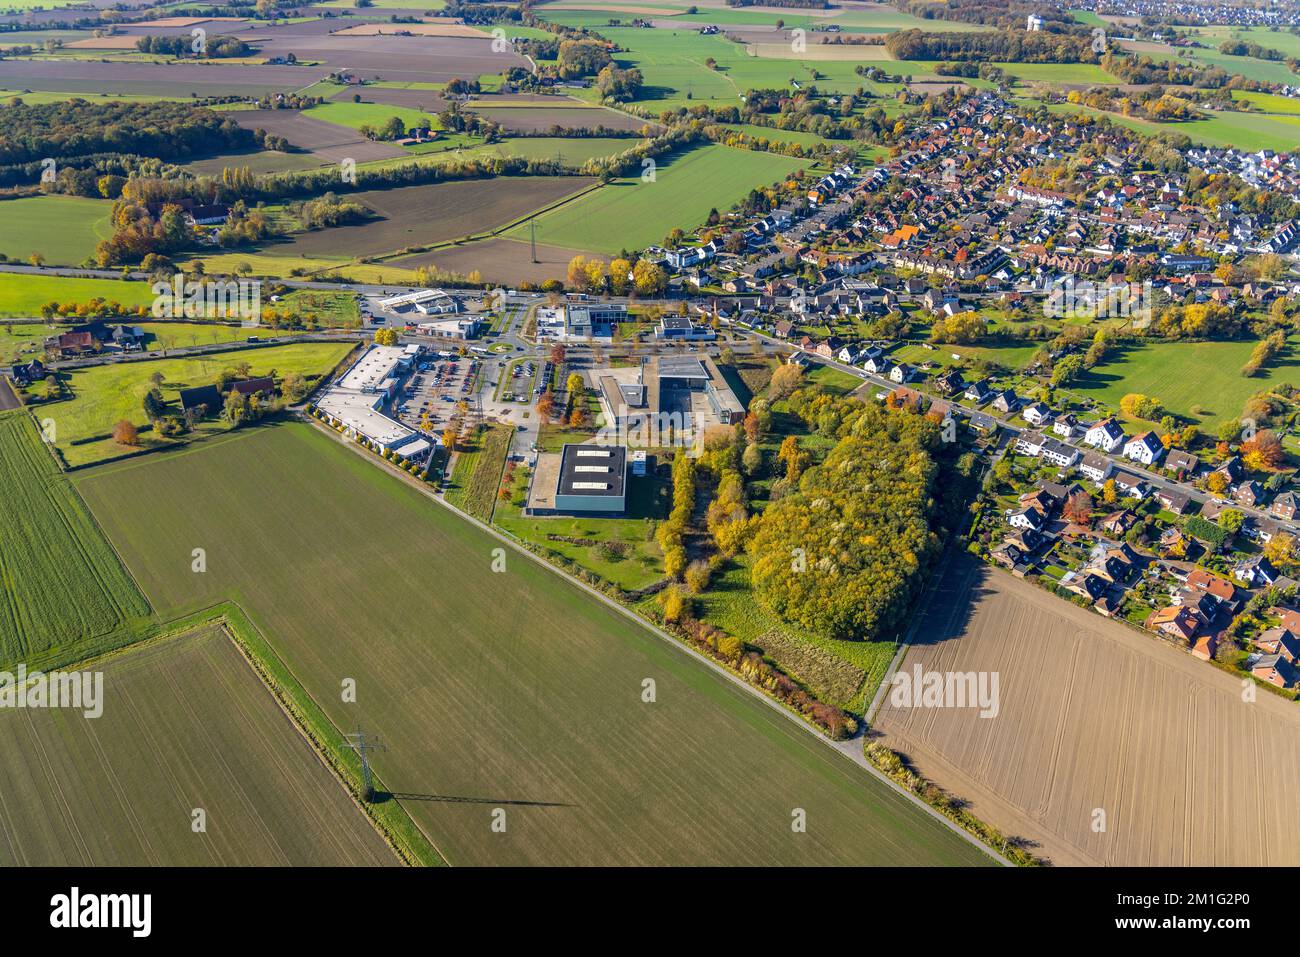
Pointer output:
x,y
362,745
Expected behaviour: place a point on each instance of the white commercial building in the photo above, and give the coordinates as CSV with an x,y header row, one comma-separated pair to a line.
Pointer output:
x,y
356,401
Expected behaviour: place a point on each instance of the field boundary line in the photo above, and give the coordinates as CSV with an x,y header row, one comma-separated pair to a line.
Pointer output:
x,y
234,619
859,760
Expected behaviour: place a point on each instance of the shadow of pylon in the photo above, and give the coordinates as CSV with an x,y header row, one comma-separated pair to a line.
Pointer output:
x,y
382,796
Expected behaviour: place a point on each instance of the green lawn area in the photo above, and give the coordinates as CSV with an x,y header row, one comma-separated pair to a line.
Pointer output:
x,y
570,151
845,673
333,309
512,687
63,229
66,594
1270,102
1184,375
104,395
1250,131
23,294
24,339
357,115
1013,356
631,214
648,500
833,380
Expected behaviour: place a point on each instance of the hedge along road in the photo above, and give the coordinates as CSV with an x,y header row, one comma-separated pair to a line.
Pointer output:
x,y
511,691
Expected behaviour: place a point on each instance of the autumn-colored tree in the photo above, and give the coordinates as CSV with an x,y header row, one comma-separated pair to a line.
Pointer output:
x,y
1108,493
1280,550
546,405
1138,406
1217,483
1078,508
675,604
125,433
697,576
784,381
578,274
558,353
794,459
1264,452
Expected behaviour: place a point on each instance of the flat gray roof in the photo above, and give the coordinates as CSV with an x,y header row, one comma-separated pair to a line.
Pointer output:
x,y
592,470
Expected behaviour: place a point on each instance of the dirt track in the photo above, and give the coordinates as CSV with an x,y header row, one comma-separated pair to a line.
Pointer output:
x,y
1095,715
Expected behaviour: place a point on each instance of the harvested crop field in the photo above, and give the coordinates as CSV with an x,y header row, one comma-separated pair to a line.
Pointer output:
x,y
1094,715
327,142
422,215
102,43
448,29
186,724
514,690
64,588
397,59
163,79
498,260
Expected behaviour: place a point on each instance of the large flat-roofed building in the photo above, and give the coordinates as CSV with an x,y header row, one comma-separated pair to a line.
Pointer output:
x,y
427,302
379,364
579,320
587,479
668,394
356,402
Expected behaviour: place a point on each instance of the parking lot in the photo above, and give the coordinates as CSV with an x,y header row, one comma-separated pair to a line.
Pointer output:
x,y
433,390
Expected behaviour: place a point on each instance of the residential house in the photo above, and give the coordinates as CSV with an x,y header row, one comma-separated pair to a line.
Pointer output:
x,y
1276,670
1183,464
1096,467
1284,506
1145,448
1036,413
1174,621
1255,572
1066,426
1105,435
1173,500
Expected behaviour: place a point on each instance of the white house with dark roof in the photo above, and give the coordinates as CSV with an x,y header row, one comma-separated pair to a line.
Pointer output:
x,y
1105,435
1145,448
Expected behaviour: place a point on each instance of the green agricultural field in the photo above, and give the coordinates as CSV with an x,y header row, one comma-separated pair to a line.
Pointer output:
x,y
357,115
1187,376
631,214
65,592
23,294
1250,131
63,229
513,689
571,151
104,395
1270,102
120,789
